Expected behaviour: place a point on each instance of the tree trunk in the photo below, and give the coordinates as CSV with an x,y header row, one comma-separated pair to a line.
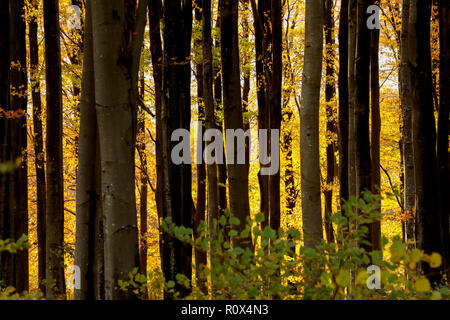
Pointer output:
x,y
6,260
343,103
142,150
13,184
375,132
309,124
89,240
443,127
237,177
18,102
330,93
428,229
157,57
116,63
362,108
177,195
275,110
200,255
352,33
38,143
55,189
408,166
261,19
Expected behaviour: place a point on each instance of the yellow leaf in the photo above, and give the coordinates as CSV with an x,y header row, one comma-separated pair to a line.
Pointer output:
x,y
423,285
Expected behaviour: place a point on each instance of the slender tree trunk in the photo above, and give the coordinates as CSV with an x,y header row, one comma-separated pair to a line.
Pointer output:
x,y
155,9
237,177
428,231
38,143
352,32
89,212
212,168
362,108
275,110
18,102
55,189
116,63
142,150
309,124
261,19
177,195
199,217
330,93
376,131
343,103
246,77
408,166
443,127
6,268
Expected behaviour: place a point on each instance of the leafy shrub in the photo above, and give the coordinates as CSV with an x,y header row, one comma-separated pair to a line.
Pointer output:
x,y
277,265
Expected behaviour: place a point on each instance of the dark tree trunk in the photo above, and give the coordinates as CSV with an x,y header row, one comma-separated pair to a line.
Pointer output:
x,y
18,103
343,103
13,126
237,176
428,231
199,217
176,114
375,132
275,110
6,260
38,143
55,189
443,127
155,9
408,161
221,168
142,150
362,107
352,33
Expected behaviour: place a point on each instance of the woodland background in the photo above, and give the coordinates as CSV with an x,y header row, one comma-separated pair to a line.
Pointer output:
x,y
87,114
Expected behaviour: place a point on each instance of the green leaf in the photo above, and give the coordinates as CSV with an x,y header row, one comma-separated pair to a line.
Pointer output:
x,y
423,285
343,279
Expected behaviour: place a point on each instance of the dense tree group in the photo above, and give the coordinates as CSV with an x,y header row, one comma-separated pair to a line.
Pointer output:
x,y
87,172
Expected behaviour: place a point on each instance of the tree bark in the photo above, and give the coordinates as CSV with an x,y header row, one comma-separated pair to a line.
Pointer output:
x,y
343,103
55,189
428,231
237,177
443,127
375,131
408,166
18,102
89,213
352,33
275,109
116,64
362,108
309,124
177,195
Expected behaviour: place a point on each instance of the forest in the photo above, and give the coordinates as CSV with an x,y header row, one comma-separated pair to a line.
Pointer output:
x,y
224,149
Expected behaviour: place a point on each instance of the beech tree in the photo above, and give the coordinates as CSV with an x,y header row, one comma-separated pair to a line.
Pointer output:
x,y
309,124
